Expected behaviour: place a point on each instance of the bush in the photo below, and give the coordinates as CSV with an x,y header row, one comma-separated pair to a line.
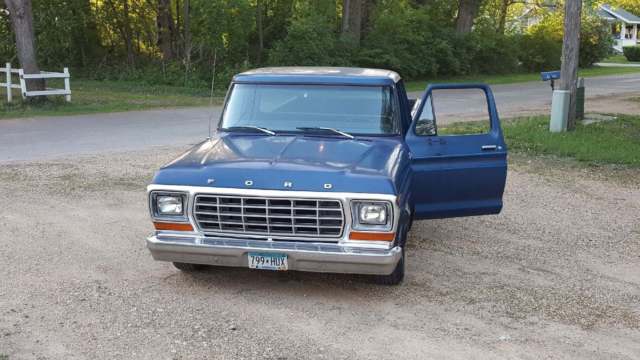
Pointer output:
x,y
539,53
310,41
410,42
595,41
492,53
399,41
632,53
541,48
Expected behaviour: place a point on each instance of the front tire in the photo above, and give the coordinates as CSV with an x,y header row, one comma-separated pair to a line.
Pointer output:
x,y
396,277
185,267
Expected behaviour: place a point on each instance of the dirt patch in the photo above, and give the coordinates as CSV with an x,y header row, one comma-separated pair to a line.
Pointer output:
x,y
554,275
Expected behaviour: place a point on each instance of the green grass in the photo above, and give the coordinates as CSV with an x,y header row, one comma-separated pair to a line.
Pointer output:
x,y
419,85
619,59
4,357
607,142
89,96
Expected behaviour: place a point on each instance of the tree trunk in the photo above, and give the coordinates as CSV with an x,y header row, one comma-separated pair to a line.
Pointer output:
x,y
177,30
352,11
165,29
22,23
259,13
467,11
502,15
571,55
127,32
367,12
187,34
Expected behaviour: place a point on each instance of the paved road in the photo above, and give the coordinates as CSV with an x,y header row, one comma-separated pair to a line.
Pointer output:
x,y
516,99
48,137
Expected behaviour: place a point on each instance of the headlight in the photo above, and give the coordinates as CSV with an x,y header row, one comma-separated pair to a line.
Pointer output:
x,y
371,215
168,204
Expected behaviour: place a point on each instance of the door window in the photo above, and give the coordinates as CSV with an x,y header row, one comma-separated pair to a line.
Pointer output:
x,y
450,112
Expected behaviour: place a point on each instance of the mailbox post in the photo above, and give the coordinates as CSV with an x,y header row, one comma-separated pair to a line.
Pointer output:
x,y
559,103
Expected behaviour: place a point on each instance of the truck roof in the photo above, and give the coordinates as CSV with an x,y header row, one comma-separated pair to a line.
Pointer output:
x,y
318,75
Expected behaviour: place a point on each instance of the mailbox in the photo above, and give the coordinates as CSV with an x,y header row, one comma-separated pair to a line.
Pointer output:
x,y
550,75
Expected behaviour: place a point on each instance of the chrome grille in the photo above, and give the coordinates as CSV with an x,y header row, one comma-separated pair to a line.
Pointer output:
x,y
322,218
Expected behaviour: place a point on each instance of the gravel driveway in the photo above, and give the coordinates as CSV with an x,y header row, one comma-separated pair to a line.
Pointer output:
x,y
556,275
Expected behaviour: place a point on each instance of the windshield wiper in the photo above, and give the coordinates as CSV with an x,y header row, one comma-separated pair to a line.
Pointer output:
x,y
249,128
326,130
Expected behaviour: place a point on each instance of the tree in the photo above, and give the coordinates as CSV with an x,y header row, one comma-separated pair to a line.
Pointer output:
x,y
260,29
502,14
165,29
571,55
127,32
467,11
22,23
352,16
187,34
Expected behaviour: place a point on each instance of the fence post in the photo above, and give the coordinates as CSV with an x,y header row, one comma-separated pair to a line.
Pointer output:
x,y
23,84
8,70
67,84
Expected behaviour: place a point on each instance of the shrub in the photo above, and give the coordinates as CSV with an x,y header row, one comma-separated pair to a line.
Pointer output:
x,y
309,41
410,42
595,41
398,41
632,53
539,53
541,48
492,53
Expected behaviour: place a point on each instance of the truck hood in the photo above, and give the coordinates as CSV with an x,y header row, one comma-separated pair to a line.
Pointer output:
x,y
308,163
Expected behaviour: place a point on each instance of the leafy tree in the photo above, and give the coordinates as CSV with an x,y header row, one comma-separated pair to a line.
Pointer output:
x,y
310,40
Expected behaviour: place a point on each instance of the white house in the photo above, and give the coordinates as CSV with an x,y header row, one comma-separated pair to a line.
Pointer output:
x,y
624,25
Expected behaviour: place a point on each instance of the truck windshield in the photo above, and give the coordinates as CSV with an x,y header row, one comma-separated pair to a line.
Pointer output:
x,y
366,110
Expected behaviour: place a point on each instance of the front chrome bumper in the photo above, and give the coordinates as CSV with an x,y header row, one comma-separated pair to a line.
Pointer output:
x,y
302,256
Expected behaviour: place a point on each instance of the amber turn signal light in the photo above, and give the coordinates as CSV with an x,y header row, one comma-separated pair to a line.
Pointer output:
x,y
173,226
372,236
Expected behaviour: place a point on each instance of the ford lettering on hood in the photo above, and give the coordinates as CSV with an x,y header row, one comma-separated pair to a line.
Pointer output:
x,y
306,163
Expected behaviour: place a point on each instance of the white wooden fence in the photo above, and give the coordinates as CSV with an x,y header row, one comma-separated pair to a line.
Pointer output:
x,y
9,84
43,75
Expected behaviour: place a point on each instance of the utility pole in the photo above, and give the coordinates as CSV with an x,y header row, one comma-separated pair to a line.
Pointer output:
x,y
571,55
563,112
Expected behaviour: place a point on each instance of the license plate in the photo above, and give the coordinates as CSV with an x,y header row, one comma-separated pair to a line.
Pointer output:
x,y
268,261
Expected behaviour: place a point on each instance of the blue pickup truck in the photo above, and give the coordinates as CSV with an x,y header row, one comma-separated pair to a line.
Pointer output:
x,y
323,170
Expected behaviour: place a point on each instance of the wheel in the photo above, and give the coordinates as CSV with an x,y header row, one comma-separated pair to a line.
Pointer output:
x,y
188,267
395,277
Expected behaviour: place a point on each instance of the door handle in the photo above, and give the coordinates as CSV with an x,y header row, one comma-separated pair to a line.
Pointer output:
x,y
488,147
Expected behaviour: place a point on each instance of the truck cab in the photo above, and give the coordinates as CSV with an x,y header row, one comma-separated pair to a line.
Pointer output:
x,y
321,169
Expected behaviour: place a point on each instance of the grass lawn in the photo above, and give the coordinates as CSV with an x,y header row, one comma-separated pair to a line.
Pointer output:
x,y
420,85
619,59
608,142
89,96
